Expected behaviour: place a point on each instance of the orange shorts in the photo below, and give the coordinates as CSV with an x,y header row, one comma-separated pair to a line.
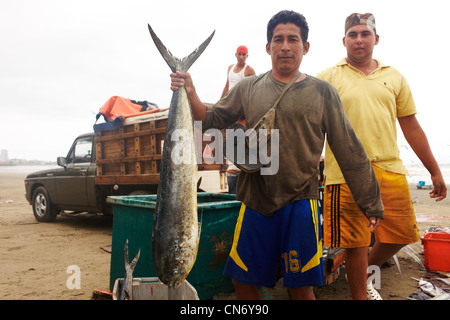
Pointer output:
x,y
345,225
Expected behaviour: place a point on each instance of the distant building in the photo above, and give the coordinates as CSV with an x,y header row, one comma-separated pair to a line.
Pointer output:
x,y
4,156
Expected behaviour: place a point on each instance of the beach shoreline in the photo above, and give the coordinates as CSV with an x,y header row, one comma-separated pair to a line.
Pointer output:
x,y
35,258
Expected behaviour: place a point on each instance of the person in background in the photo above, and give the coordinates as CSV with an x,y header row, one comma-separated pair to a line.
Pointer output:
x,y
374,95
240,70
236,72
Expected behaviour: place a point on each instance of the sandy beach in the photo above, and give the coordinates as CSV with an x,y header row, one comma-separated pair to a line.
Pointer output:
x,y
35,257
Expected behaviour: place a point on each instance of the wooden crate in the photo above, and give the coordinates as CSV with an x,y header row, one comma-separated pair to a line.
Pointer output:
x,y
132,154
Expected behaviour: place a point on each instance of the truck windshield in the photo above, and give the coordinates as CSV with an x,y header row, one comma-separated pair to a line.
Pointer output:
x,y
81,152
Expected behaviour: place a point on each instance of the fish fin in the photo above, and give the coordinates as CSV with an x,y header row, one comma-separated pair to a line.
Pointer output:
x,y
124,294
173,62
190,59
200,225
127,282
199,182
135,260
125,253
397,263
413,254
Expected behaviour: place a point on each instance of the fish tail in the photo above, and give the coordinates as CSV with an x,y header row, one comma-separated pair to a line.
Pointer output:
x,y
174,63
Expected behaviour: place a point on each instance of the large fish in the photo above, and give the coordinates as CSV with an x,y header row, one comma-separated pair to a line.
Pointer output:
x,y
175,226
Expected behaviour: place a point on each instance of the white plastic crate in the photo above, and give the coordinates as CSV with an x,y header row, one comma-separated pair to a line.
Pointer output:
x,y
153,289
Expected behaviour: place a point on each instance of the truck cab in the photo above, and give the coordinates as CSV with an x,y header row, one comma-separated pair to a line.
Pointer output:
x,y
71,186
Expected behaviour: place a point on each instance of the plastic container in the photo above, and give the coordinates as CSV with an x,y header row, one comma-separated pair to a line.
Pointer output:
x,y
133,220
153,289
437,251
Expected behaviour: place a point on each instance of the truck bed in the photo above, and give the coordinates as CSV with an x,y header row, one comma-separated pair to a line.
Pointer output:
x,y
132,154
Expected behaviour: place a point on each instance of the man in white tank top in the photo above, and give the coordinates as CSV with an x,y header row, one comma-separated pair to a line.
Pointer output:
x,y
236,72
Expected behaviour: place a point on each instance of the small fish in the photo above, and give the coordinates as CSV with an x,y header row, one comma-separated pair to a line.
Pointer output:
x,y
428,288
444,296
127,285
175,228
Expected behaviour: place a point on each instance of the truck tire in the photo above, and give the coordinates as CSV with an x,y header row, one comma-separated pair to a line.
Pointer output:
x,y
43,209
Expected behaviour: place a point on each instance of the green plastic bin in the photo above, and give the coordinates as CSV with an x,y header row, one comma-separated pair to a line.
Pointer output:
x,y
133,220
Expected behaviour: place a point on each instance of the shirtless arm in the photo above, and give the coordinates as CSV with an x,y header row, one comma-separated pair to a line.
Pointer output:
x,y
225,90
419,143
249,71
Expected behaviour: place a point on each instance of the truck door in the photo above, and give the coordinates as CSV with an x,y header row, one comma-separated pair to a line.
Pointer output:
x,y
71,185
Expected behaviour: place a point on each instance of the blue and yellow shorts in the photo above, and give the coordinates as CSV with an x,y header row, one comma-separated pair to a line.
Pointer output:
x,y
292,235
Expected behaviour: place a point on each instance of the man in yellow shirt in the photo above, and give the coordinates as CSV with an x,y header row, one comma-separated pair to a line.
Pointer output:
x,y
374,96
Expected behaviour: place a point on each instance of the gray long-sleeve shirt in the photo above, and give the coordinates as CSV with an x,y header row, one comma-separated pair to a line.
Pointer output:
x,y
309,110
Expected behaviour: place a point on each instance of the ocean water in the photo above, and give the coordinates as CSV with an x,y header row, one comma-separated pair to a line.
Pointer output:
x,y
419,173
26,169
416,169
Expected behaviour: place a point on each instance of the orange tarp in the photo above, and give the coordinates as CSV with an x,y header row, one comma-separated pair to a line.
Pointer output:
x,y
118,106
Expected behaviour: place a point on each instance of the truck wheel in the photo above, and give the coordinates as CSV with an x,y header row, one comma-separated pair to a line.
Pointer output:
x,y
43,209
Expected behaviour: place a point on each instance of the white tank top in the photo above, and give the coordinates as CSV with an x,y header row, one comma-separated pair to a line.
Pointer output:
x,y
234,78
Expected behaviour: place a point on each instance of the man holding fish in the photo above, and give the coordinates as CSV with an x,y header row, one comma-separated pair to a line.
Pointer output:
x,y
279,216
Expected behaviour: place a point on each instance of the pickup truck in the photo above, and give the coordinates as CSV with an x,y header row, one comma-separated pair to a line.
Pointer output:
x,y
124,161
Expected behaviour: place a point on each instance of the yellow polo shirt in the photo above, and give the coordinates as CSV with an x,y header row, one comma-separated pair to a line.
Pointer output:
x,y
372,103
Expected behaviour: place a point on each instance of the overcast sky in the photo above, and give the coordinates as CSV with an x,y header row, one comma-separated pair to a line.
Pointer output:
x,y
61,60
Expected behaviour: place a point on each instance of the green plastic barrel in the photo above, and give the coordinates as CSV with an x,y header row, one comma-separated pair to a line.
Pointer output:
x,y
133,220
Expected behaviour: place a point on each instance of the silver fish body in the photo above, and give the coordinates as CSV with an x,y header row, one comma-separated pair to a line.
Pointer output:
x,y
175,228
